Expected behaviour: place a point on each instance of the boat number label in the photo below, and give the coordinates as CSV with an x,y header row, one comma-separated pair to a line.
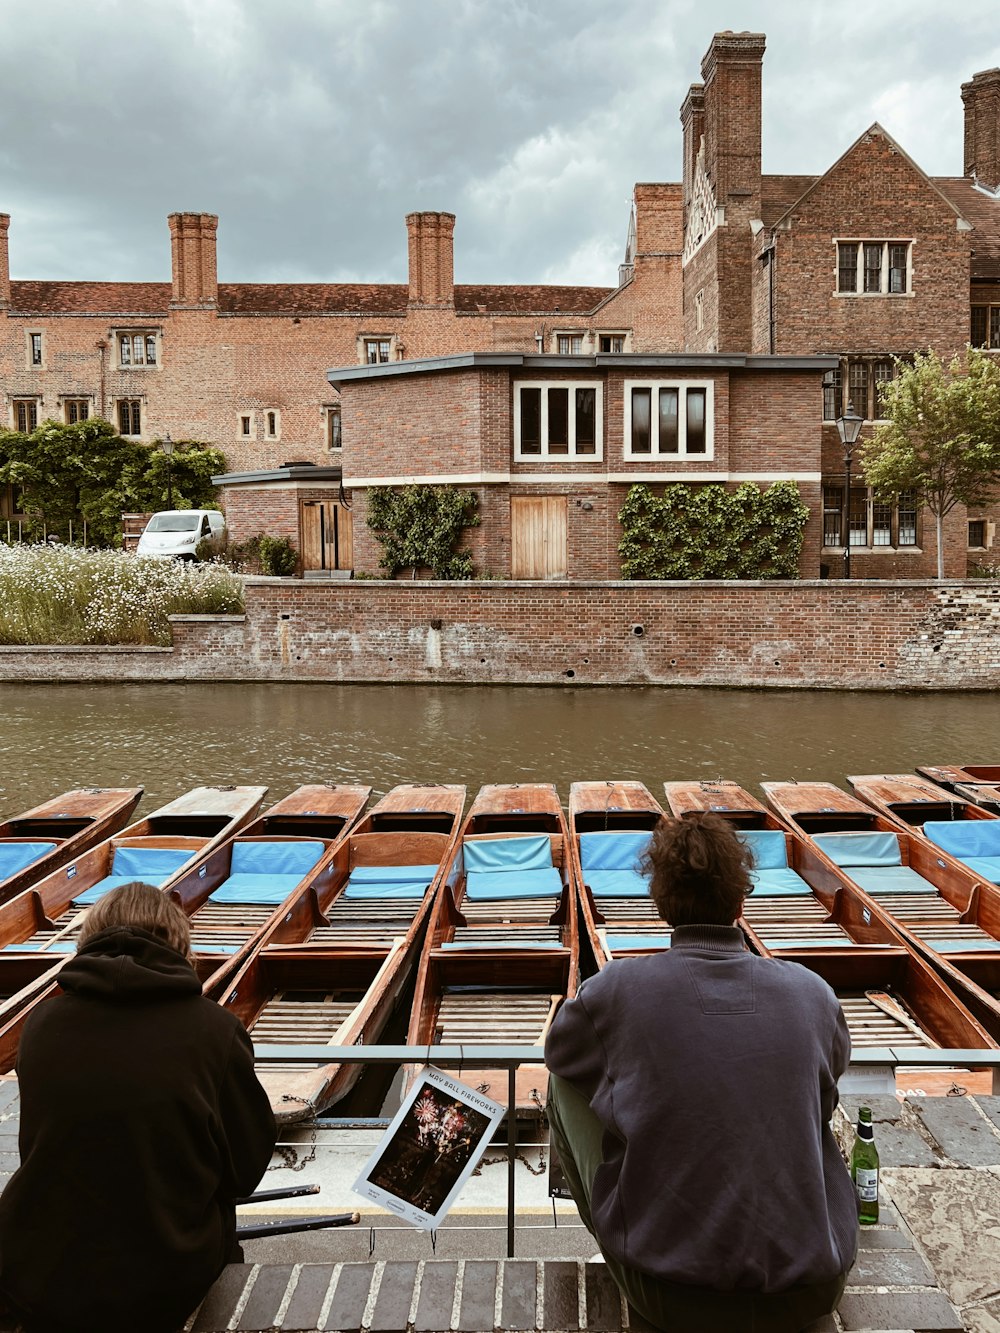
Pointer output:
x,y
70,871
203,872
867,915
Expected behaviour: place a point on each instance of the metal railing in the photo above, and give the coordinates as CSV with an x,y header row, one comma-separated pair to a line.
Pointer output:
x,y
871,1070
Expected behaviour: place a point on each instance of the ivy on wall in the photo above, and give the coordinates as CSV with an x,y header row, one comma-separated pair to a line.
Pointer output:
x,y
707,532
420,527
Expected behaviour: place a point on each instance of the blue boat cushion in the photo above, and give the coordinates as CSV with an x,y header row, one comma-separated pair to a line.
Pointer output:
x,y
262,890
147,865
985,867
613,851
965,837
767,846
778,884
617,884
14,856
368,882
860,849
963,946
484,885
890,879
628,943
275,858
792,943
506,854
36,946
214,948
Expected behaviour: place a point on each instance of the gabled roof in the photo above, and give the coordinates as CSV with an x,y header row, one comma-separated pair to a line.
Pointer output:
x,y
778,193
984,214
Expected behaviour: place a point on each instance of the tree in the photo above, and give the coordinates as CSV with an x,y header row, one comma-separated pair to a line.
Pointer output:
x,y
941,436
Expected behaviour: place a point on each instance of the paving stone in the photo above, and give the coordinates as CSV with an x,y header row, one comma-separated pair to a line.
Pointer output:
x,y
991,1106
928,1311
884,1238
886,1110
9,1162
437,1295
900,1146
890,1268
395,1293
983,1318
350,1297
218,1306
561,1296
953,1214
9,1091
520,1294
604,1301
269,1289
479,1294
308,1296
961,1131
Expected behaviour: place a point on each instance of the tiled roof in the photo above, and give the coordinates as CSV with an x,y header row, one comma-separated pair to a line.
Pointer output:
x,y
778,193
299,298
984,214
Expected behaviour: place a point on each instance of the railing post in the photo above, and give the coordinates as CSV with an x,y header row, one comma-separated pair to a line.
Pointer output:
x,y
511,1154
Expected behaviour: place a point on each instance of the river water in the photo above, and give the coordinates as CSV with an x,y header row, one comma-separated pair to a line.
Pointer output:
x,y
172,737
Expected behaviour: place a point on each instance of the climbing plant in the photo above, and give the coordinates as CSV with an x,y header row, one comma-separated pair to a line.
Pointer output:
x,y
421,526
707,532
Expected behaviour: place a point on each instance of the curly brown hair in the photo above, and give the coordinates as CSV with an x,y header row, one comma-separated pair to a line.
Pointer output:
x,y
699,871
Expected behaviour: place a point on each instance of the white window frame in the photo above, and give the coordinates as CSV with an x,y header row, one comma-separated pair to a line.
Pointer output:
x,y
570,456
861,242
252,433
268,433
131,334
682,386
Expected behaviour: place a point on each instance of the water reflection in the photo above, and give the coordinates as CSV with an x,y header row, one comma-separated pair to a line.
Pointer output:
x,y
170,737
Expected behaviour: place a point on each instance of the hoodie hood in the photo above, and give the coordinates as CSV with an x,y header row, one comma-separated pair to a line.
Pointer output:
x,y
122,964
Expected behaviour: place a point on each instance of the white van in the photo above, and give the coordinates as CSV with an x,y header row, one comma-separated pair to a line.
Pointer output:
x,y
177,532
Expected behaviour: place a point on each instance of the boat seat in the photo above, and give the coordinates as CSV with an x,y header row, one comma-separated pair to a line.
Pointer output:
x,y
147,865
266,872
38,946
974,842
510,868
377,882
878,880
15,856
767,846
629,943
616,883
506,943
964,946
779,882
849,850
613,851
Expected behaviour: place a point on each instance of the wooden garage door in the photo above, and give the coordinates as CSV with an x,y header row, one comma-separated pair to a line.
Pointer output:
x,y
538,536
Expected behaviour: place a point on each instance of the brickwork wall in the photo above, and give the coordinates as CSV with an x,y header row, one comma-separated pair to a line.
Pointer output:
x,y
826,635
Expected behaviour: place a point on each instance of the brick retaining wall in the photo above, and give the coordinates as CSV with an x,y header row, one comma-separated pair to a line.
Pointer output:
x,y
829,634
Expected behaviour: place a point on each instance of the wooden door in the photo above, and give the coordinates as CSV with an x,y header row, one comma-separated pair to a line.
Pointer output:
x,y
327,530
538,536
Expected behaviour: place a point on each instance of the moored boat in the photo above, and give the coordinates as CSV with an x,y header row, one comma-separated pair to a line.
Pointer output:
x,y
42,839
986,796
955,775
611,825
502,948
909,799
333,960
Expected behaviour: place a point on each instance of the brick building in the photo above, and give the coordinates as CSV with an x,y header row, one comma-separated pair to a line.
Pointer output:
x,y
869,261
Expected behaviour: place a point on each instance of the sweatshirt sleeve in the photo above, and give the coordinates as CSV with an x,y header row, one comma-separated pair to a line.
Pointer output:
x,y
840,1058
248,1127
573,1049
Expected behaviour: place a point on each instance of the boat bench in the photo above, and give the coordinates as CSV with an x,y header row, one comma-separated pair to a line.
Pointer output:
x,y
974,842
510,868
772,877
610,863
266,872
15,856
874,862
377,882
148,865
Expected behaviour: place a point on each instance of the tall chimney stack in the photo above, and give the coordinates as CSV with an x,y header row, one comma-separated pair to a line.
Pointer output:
x,y
981,97
4,263
731,71
693,126
431,252
192,261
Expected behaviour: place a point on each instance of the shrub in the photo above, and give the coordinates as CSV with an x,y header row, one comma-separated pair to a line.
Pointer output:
x,y
277,556
419,527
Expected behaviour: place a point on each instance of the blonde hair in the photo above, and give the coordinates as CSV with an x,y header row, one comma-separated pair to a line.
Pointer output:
x,y
140,907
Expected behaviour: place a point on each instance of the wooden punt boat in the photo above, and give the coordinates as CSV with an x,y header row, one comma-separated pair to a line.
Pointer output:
x,y
333,960
983,795
807,909
717,796
35,843
954,775
937,904
911,800
36,927
610,827
502,948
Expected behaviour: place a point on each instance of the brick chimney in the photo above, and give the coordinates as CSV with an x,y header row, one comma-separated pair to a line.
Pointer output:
x,y
981,97
731,71
431,258
4,263
192,261
693,125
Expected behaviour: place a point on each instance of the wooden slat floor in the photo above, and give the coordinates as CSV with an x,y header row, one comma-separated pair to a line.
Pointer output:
x,y
871,1026
493,1017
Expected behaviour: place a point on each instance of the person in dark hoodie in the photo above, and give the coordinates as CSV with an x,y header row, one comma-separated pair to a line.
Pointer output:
x,y
142,1122
690,1099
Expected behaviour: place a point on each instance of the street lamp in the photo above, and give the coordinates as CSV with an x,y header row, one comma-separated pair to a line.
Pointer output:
x,y
167,445
849,428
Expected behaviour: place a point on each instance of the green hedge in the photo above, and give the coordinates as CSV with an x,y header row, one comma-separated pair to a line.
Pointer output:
x,y
419,527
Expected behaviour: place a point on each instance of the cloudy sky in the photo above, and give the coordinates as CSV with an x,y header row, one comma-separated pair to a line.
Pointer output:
x,y
313,126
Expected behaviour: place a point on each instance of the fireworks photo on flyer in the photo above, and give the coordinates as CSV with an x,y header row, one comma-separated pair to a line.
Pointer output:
x,y
429,1151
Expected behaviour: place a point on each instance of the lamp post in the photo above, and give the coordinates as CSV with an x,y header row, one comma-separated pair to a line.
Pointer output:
x,y
167,445
849,428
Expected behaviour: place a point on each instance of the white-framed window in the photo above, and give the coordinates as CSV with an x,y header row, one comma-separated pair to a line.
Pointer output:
x,y
874,268
137,348
613,343
272,423
24,414
36,349
873,524
129,416
669,420
331,417
246,425
569,344
985,326
377,350
76,409
557,419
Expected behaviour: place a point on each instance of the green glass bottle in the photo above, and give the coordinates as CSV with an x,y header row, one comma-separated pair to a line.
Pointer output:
x,y
864,1168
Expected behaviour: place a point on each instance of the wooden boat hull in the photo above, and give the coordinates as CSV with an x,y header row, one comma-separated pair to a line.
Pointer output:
x,y
954,775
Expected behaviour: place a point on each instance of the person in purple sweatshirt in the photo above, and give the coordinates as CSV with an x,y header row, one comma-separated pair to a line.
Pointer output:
x,y
690,1099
